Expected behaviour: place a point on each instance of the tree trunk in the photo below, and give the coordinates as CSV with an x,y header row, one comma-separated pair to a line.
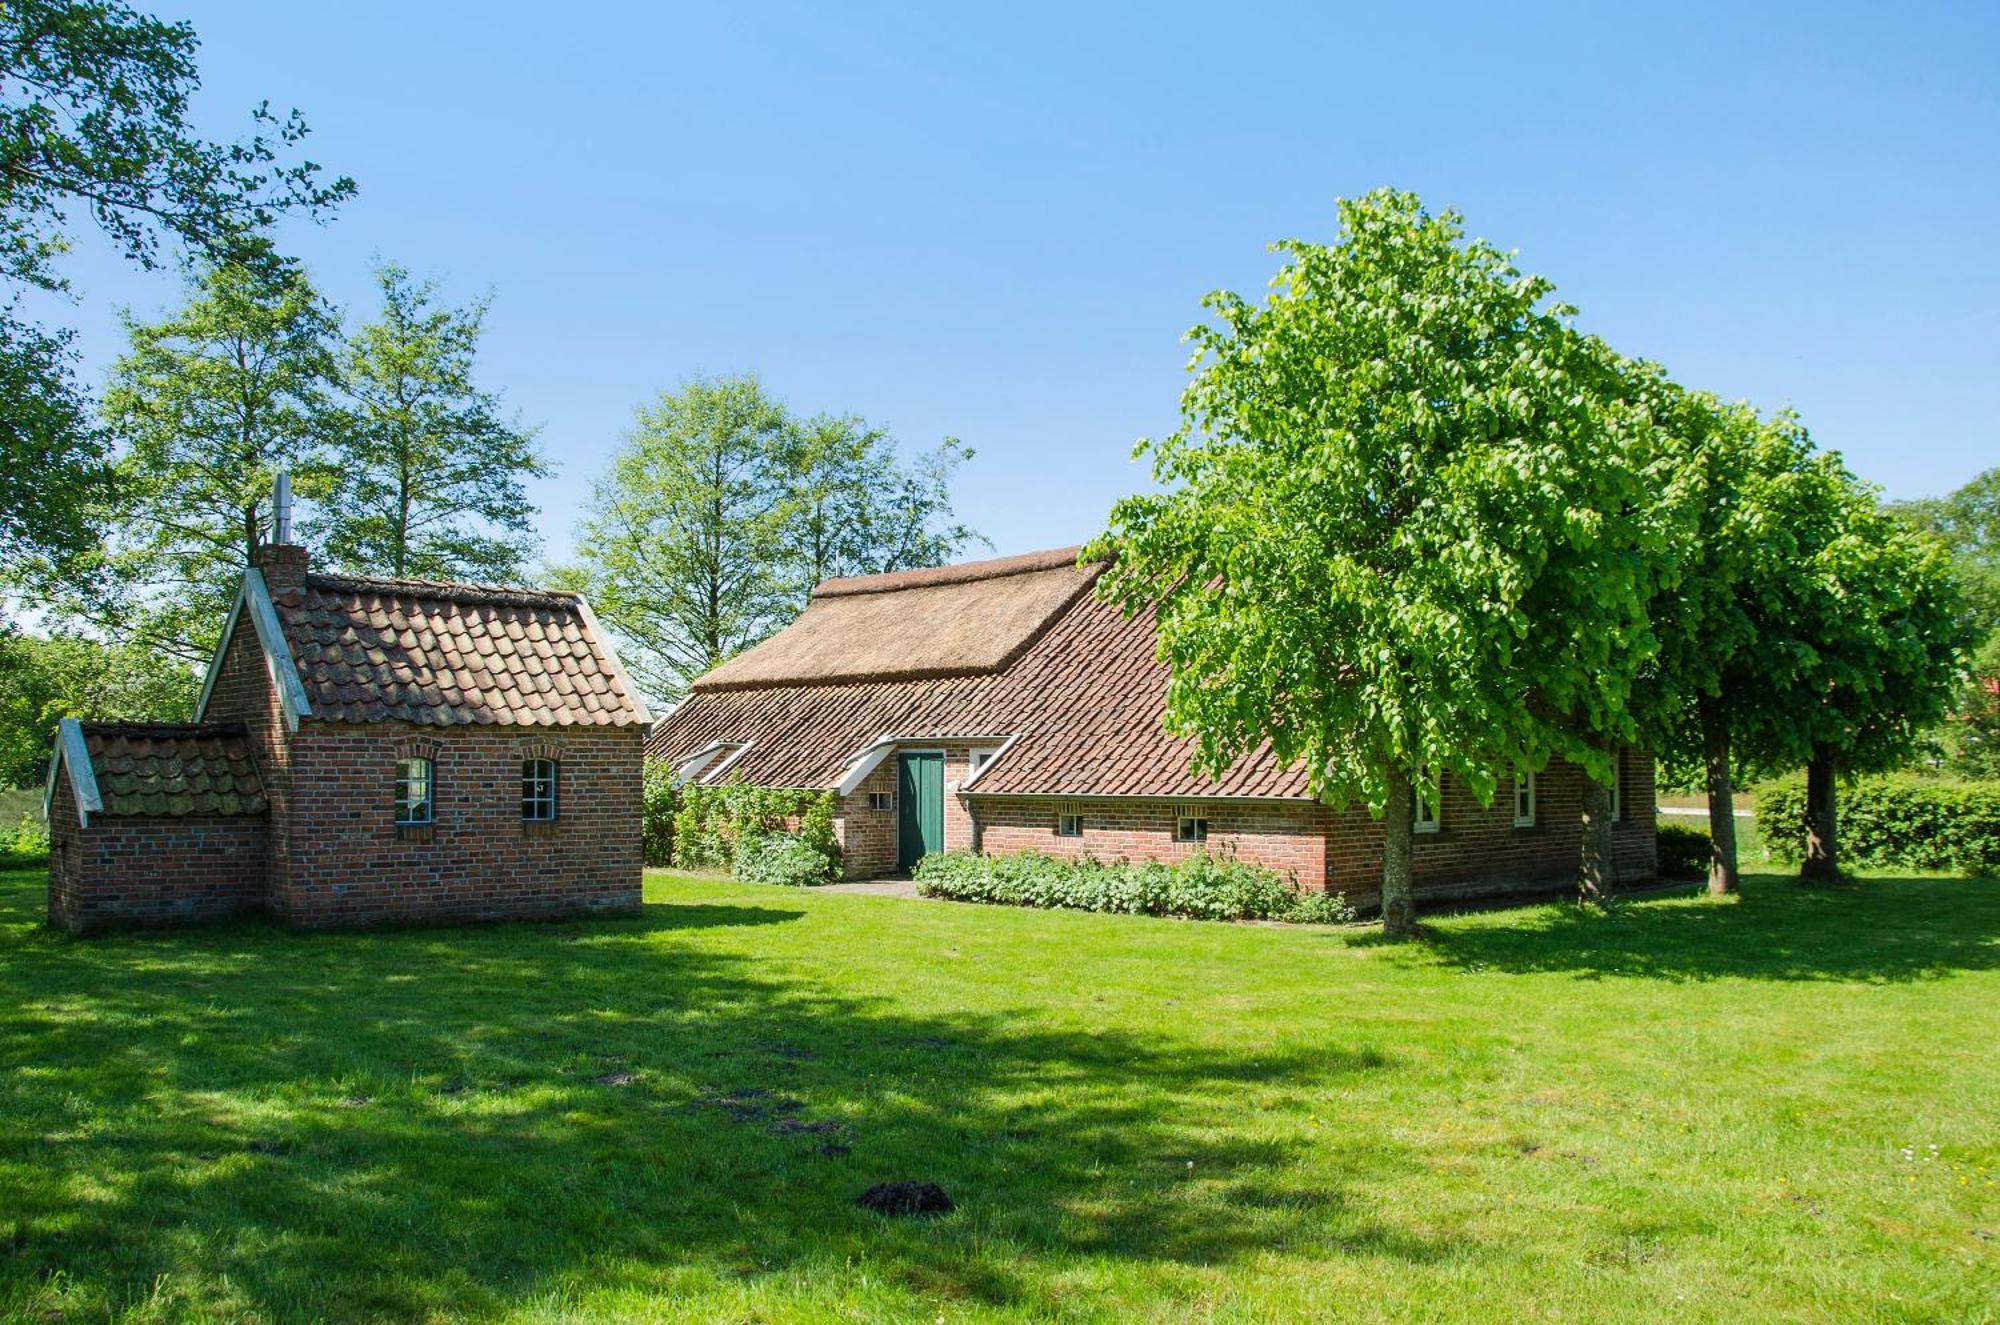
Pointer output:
x,y
1597,872
1821,862
1722,878
1398,910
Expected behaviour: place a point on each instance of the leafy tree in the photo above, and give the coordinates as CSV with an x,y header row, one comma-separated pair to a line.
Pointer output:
x,y
43,680
682,544
428,472
1968,523
1747,486
54,478
1888,633
94,121
1397,538
210,404
855,508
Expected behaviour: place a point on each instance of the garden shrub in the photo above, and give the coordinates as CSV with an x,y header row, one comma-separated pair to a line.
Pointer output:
x,y
26,841
659,798
710,822
1201,887
1896,820
1685,851
783,858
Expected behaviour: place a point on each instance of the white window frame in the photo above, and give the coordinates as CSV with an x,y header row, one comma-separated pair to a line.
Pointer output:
x,y
1426,816
1191,836
533,782
882,802
1524,782
1069,823
976,760
406,778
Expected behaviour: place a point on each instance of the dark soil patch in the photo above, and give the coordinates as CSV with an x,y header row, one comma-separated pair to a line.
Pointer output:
x,y
900,1199
617,1078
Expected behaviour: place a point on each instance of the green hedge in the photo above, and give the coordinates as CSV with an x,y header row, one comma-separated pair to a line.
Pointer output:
x,y
1202,887
1895,820
1685,851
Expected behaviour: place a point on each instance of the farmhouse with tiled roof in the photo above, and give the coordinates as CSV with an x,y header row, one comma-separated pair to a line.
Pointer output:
x,y
999,706
364,751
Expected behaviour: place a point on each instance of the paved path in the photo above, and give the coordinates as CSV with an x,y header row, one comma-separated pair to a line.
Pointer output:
x,y
874,888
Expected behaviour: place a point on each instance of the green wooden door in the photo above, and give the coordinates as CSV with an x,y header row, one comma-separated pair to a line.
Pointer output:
x,y
919,807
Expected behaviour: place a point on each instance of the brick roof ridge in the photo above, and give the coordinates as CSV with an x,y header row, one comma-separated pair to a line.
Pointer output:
x,y
964,572
471,595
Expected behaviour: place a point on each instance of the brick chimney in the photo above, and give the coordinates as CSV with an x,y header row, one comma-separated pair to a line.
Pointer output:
x,y
282,561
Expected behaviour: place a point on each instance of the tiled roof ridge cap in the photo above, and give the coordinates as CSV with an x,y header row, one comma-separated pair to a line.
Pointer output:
x,y
494,594
162,730
967,572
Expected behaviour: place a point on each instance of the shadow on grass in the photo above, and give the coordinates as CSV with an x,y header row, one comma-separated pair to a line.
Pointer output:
x,y
430,1123
1875,929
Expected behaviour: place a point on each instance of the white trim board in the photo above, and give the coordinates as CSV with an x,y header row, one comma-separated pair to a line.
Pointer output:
x,y
870,757
72,754
254,594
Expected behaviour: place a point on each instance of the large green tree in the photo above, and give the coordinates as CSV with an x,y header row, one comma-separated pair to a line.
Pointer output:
x,y
1885,636
94,123
856,507
428,470
209,404
1394,539
681,545
43,680
1750,490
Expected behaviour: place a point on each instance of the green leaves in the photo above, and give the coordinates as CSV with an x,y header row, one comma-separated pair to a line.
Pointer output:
x,y
429,471
1402,525
722,511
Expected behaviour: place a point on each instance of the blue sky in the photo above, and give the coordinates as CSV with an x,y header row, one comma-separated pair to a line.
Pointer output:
x,y
995,222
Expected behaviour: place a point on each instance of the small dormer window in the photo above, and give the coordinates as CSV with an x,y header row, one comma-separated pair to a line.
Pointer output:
x,y
538,790
415,803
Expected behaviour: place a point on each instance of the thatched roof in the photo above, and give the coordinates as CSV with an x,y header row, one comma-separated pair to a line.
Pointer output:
x,y
1082,703
947,621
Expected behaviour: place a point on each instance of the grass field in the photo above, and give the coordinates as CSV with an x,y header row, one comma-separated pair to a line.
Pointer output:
x,y
1776,1108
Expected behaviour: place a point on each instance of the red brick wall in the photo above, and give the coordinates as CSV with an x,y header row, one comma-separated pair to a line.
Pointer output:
x,y
1288,836
1477,850
244,693
348,863
147,871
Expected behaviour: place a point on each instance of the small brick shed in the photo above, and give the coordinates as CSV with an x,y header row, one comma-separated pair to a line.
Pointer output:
x,y
1000,706
364,751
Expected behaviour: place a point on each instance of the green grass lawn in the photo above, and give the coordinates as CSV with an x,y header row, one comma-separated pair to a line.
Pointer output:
x,y
1779,1108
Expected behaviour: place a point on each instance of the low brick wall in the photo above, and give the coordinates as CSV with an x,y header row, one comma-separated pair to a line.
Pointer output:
x,y
123,871
1476,851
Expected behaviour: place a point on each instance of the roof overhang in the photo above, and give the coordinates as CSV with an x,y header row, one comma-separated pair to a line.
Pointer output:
x,y
871,756
253,597
72,756
696,767
643,714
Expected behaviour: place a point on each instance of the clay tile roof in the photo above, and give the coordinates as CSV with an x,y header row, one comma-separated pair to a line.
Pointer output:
x,y
443,654
912,625
1083,701
173,769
